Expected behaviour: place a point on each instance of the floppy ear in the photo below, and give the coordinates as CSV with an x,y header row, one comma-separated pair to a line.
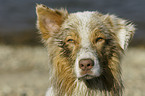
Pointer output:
x,y
124,30
49,20
125,33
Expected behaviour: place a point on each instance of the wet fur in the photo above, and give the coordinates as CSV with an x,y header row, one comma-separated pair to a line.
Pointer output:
x,y
62,55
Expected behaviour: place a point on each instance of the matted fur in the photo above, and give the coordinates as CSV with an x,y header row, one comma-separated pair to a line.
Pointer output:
x,y
66,34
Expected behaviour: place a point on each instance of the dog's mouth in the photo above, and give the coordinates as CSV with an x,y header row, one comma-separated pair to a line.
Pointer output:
x,y
87,77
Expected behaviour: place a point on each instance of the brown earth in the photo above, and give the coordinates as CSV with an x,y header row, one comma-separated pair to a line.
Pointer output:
x,y
24,71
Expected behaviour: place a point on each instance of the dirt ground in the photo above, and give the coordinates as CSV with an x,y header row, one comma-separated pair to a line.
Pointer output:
x,y
24,71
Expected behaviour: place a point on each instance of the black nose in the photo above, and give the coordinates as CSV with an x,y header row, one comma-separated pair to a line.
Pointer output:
x,y
86,64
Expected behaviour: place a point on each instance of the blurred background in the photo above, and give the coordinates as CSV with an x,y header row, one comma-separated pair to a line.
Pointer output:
x,y
23,59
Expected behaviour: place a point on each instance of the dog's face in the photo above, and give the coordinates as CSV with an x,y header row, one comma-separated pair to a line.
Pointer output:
x,y
86,39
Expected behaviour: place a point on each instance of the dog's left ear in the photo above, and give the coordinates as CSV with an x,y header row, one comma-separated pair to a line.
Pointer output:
x,y
49,20
124,30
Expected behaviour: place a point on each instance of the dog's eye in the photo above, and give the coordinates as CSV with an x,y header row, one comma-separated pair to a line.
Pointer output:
x,y
70,40
99,39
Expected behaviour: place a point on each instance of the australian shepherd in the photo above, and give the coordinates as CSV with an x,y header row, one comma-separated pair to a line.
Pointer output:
x,y
84,51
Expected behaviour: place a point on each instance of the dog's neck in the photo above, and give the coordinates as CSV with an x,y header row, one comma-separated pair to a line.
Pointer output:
x,y
93,87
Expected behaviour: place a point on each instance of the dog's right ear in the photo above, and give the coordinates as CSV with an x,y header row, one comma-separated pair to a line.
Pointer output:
x,y
49,20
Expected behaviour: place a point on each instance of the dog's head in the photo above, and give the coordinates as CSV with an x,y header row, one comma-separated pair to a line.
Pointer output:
x,y
87,39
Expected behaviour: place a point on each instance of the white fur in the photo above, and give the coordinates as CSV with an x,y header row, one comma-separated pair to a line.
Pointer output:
x,y
86,51
82,90
50,92
122,38
125,33
122,35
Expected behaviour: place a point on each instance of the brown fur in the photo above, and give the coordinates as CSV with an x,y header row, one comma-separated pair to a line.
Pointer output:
x,y
57,29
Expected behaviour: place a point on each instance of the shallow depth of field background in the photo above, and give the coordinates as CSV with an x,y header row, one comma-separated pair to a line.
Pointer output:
x,y
23,59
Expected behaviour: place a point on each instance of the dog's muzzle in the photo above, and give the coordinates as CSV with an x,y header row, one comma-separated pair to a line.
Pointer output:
x,y
87,65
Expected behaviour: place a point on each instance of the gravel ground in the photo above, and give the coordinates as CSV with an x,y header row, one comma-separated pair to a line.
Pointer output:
x,y
24,71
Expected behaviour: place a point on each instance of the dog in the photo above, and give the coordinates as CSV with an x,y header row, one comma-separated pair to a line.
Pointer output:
x,y
85,50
